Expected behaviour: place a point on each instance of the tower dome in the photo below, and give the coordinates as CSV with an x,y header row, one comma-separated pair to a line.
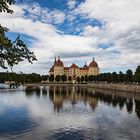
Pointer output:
x,y
59,63
93,64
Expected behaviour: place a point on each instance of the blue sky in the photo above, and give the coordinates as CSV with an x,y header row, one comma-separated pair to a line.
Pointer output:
x,y
77,30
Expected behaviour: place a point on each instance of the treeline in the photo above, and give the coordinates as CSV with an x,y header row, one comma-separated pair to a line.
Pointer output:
x,y
128,77
114,77
22,77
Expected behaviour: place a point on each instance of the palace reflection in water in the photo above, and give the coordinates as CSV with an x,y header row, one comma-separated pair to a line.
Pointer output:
x,y
61,94
68,113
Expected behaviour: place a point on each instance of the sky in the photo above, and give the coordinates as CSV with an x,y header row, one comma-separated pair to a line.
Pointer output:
x,y
77,31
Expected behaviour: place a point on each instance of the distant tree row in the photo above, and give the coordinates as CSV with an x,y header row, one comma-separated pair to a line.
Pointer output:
x,y
114,77
22,78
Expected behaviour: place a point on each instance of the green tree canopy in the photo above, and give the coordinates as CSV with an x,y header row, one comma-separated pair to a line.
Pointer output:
x,y
69,78
57,78
78,79
129,75
51,78
12,52
82,79
63,78
4,5
86,78
137,74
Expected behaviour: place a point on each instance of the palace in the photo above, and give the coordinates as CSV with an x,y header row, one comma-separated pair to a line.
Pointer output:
x,y
73,71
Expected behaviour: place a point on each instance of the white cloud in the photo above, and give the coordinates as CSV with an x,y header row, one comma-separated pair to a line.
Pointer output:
x,y
122,22
48,42
45,15
121,30
71,4
89,30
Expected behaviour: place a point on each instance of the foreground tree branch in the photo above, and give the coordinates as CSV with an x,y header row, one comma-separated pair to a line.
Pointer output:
x,y
11,53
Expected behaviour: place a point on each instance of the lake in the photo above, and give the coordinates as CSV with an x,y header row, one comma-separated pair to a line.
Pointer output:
x,y
69,113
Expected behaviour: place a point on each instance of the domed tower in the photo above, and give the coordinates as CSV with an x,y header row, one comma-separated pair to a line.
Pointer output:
x,y
93,68
58,67
74,69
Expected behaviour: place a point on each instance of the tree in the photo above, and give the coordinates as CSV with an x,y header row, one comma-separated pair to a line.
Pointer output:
x,y
51,78
44,77
86,78
129,75
78,79
82,79
33,78
121,77
63,78
69,78
90,78
114,77
137,74
57,78
4,5
11,53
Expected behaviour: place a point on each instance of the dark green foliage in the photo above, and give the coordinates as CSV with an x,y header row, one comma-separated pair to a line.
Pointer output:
x,y
114,77
57,78
33,78
137,74
91,78
11,53
20,78
44,77
129,75
51,78
82,79
121,77
86,78
63,78
78,79
4,5
69,78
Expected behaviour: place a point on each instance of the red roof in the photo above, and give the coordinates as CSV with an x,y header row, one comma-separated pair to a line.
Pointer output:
x,y
93,64
66,68
52,69
74,66
84,68
58,63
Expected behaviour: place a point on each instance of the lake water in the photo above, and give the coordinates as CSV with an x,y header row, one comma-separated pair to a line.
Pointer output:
x,y
69,113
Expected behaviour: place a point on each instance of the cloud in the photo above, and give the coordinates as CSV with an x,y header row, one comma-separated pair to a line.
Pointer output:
x,y
121,28
71,4
119,32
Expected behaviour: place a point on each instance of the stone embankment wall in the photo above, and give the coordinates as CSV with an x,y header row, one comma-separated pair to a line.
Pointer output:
x,y
114,87
119,87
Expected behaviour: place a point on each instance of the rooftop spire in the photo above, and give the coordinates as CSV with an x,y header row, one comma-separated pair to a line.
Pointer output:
x,y
58,57
55,59
93,59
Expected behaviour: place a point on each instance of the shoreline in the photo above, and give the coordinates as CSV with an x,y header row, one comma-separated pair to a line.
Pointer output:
x,y
110,86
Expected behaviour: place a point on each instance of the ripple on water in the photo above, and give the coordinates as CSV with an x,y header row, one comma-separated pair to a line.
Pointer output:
x,y
67,134
68,116
16,122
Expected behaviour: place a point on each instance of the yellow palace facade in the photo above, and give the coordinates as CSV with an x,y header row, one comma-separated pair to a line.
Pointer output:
x,y
74,71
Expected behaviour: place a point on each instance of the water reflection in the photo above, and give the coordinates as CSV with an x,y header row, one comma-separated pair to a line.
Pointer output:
x,y
69,113
30,91
137,107
60,94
